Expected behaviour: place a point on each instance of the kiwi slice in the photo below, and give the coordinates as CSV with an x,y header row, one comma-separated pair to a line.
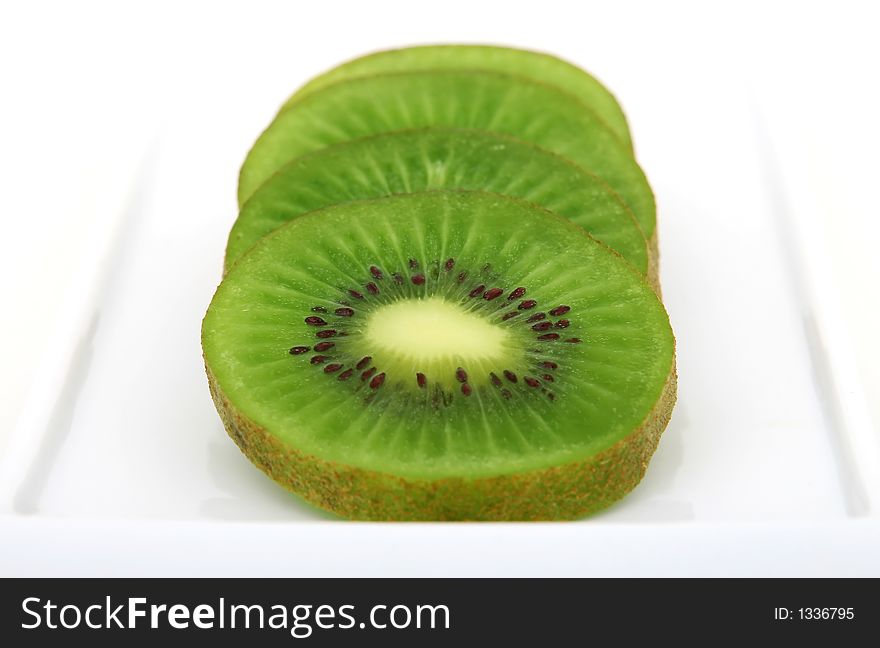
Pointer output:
x,y
533,65
440,356
409,161
510,105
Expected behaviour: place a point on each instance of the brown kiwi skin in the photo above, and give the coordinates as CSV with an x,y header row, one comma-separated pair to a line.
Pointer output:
x,y
565,492
653,273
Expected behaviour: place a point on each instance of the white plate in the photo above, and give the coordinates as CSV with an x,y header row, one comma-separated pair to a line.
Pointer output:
x,y
121,465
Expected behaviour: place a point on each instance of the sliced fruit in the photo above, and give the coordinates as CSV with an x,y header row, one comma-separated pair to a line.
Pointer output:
x,y
410,161
537,66
441,355
530,111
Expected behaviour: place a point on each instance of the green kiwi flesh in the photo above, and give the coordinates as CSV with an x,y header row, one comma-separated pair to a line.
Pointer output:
x,y
510,105
533,65
441,356
426,159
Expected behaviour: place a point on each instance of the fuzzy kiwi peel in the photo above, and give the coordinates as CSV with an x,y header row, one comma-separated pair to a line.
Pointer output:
x,y
538,66
507,104
440,158
462,443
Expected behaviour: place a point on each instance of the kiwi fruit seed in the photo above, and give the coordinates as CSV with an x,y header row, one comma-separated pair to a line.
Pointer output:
x,y
533,65
441,355
525,109
420,160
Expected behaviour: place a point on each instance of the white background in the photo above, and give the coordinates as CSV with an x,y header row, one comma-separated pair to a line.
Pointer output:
x,y
87,87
